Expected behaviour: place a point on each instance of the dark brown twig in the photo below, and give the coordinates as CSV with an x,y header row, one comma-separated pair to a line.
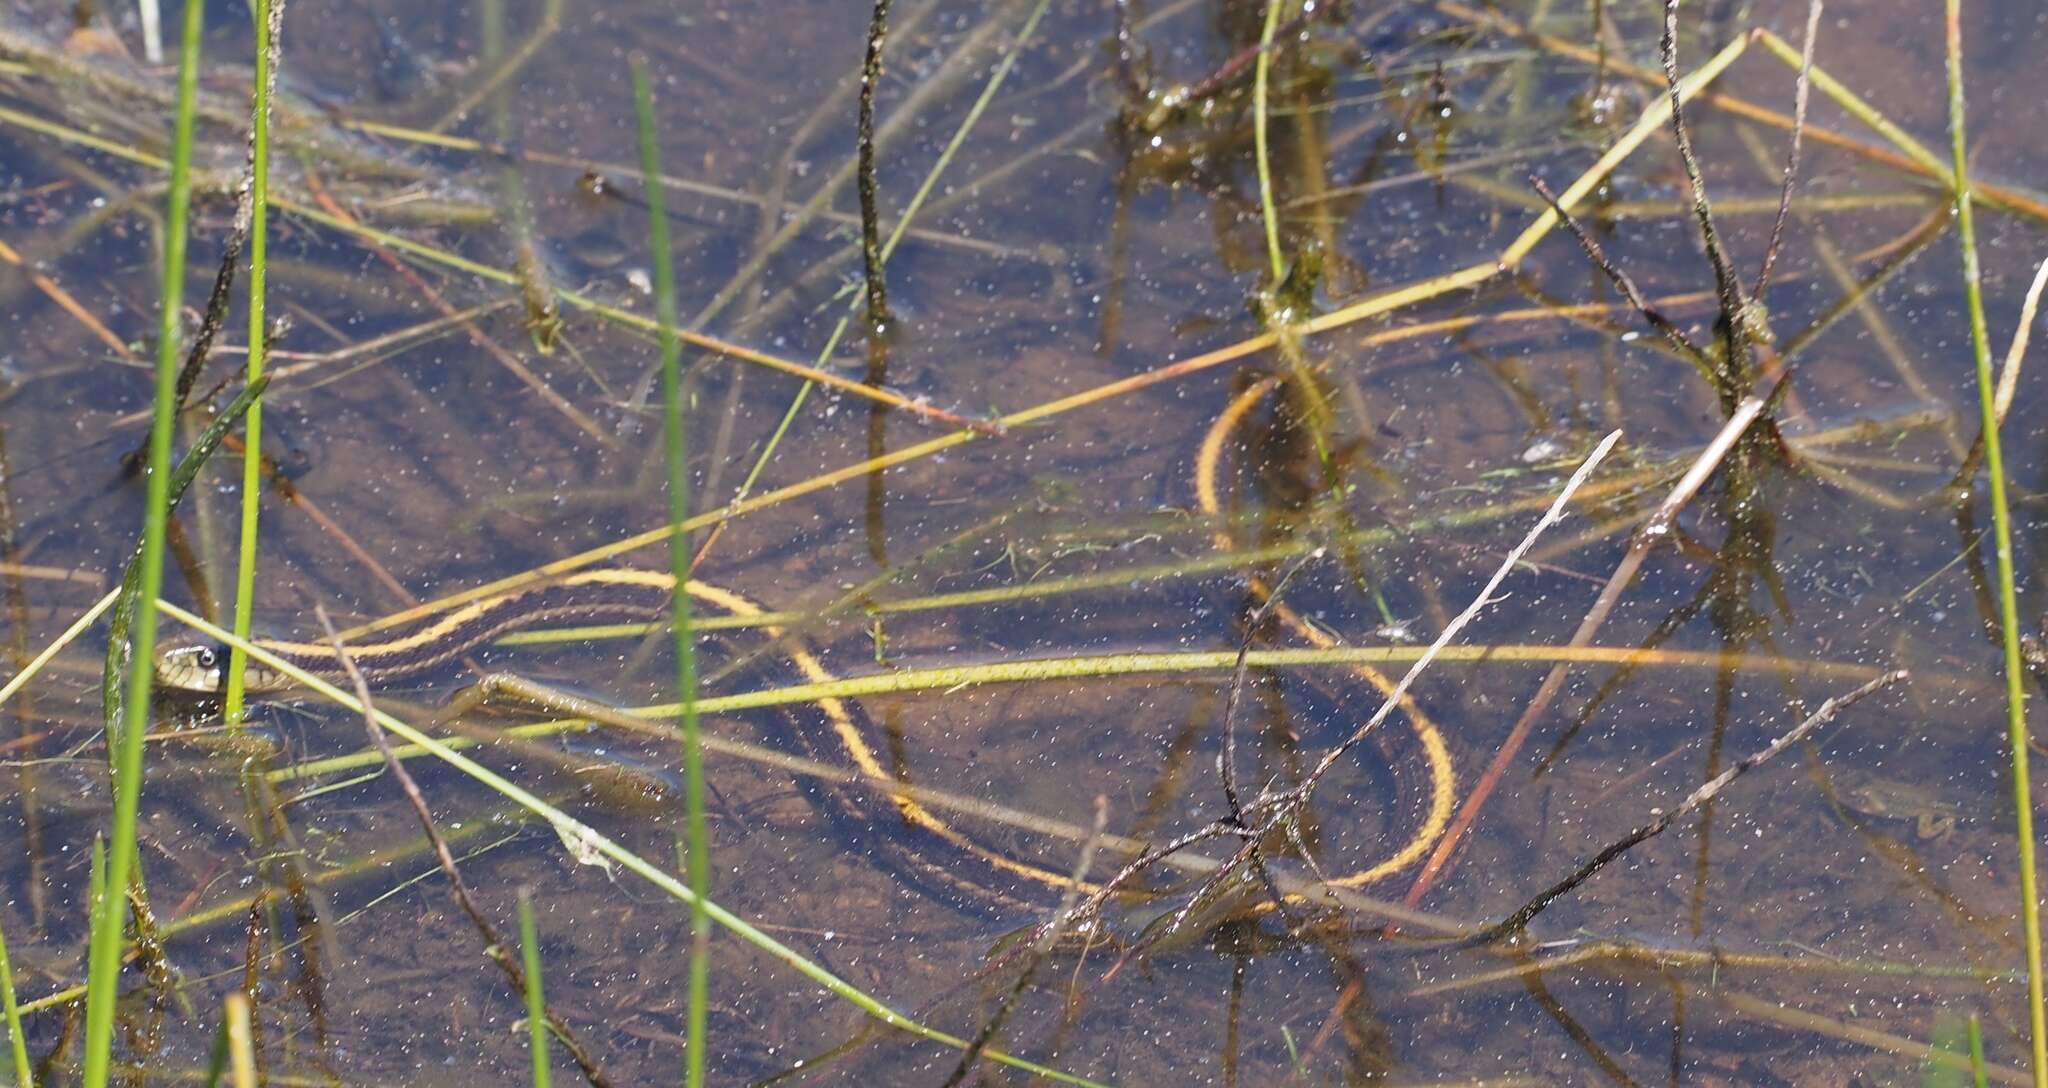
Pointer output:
x,y
1672,333
1735,332
1130,61
1226,755
494,945
1516,922
1800,93
870,216
231,251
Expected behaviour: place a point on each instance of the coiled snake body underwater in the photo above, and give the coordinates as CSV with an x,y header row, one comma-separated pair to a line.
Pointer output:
x,y
924,847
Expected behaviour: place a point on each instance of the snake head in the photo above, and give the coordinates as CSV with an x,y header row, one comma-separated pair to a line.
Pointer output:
x,y
194,668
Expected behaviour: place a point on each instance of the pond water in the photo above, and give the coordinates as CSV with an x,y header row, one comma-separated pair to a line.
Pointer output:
x,y
1090,267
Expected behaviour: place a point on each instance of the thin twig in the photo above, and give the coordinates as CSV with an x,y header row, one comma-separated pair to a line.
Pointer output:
x,y
1679,341
1550,517
1657,528
1516,922
1226,756
494,945
1800,93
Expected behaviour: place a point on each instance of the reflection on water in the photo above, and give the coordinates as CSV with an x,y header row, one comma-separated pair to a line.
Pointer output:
x,y
458,398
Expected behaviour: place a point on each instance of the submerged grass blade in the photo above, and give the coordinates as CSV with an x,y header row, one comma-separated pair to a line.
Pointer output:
x,y
677,449
2001,539
110,906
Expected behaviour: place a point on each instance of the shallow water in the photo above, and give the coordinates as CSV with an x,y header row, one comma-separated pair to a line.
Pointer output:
x,y
1825,920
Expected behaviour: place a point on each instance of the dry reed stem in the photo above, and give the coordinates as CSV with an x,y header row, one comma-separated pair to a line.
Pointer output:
x,y
70,305
1778,1013
2009,376
1653,531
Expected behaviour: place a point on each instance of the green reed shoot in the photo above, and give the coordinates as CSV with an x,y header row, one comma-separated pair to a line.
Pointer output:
x,y
673,403
252,438
217,1058
1978,1074
2001,540
536,1005
24,1075
109,904
1259,82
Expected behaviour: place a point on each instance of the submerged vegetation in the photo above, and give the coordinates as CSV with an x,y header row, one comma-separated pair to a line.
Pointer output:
x,y
1234,542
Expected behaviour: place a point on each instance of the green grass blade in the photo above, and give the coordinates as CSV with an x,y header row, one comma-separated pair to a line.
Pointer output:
x,y
1978,1074
674,403
1271,215
252,453
24,1074
2001,530
110,911
536,1005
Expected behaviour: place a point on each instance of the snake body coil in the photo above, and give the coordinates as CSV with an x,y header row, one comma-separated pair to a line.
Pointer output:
x,y
877,811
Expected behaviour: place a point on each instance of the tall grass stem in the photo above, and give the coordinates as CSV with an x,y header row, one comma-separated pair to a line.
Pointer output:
x,y
2001,531
252,438
110,908
536,1003
24,1074
674,403
1259,82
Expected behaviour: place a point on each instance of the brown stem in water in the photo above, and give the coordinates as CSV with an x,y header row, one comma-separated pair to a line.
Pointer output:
x,y
1800,93
870,216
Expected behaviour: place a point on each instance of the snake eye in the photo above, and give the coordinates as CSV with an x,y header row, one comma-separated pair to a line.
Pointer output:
x,y
206,657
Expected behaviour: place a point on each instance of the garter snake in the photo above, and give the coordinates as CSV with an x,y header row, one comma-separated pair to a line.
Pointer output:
x,y
918,843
